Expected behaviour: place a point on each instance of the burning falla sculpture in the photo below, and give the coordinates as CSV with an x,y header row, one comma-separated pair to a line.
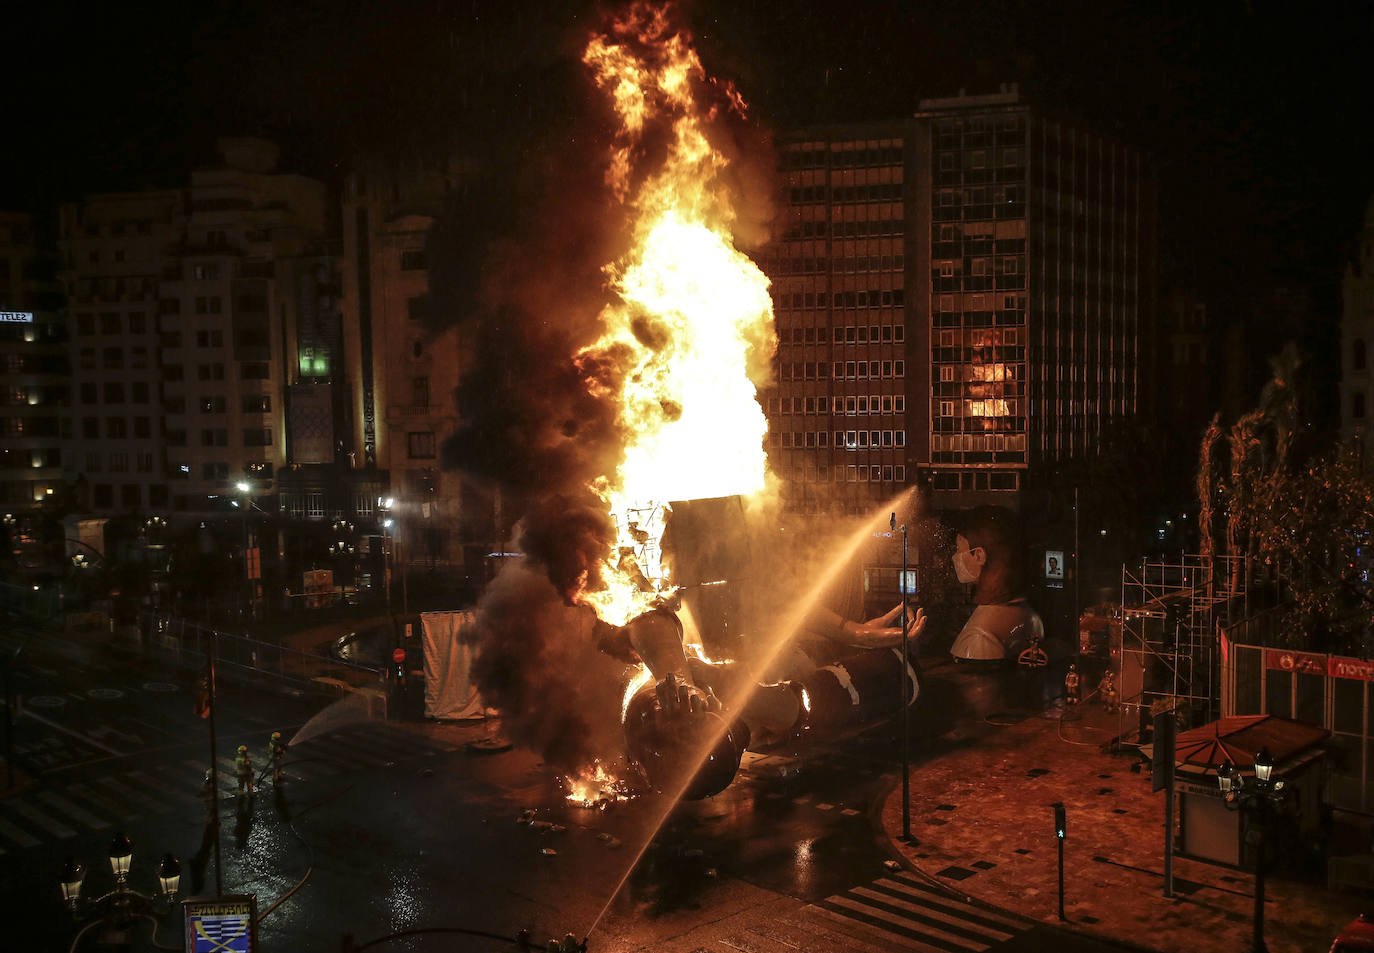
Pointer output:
x,y
686,338
690,719
677,719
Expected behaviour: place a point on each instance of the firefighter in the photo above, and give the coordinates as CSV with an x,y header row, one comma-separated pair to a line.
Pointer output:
x,y
210,796
1071,683
243,767
1107,689
277,747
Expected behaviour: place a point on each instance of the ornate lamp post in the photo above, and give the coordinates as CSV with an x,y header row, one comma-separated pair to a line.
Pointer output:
x,y
1259,799
343,550
123,904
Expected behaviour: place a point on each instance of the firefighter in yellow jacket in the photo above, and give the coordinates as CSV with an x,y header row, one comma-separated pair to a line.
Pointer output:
x,y
277,748
243,768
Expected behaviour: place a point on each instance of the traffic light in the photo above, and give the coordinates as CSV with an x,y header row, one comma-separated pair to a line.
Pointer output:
x,y
1061,827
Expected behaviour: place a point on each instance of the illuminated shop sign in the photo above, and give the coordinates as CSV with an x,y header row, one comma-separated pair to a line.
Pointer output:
x,y
16,317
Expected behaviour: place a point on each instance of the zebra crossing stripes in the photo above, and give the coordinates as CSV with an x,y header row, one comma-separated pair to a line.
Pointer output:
x,y
917,916
74,811
100,802
52,811
131,793
20,837
36,817
148,783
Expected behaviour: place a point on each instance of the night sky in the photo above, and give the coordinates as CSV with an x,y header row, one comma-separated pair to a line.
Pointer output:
x,y
1257,114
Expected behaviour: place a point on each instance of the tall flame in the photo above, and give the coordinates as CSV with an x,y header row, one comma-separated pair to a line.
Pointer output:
x,y
688,310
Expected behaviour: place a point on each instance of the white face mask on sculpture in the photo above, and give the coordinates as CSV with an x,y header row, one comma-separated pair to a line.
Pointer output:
x,y
964,566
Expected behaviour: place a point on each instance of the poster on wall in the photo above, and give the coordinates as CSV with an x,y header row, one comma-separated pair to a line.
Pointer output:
x,y
1054,568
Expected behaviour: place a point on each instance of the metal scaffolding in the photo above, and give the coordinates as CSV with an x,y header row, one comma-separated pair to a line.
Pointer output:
x,y
1167,657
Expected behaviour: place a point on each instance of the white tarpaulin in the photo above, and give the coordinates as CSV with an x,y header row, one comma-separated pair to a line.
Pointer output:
x,y
448,687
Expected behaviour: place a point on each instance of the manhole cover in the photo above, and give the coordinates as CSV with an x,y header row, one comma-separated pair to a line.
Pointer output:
x,y
488,746
47,701
104,694
159,687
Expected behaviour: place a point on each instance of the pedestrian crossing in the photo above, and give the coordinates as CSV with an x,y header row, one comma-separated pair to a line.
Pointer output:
x,y
902,911
51,810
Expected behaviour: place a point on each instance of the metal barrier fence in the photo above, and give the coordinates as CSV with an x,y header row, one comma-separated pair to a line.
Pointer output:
x,y
189,641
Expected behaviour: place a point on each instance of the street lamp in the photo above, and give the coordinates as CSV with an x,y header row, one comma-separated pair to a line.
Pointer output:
x,y
1258,799
387,504
123,903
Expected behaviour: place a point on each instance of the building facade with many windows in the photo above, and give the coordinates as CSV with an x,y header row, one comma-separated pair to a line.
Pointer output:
x,y
181,301
33,359
960,297
405,357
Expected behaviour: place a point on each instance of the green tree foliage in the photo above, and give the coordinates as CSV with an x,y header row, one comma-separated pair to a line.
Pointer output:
x,y
1314,536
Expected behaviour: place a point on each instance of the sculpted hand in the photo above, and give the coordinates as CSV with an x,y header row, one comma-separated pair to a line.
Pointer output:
x,y
885,631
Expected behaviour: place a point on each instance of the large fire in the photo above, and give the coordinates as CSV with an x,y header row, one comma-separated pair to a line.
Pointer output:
x,y
690,314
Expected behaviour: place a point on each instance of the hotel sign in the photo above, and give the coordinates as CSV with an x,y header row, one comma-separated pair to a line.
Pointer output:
x,y
16,317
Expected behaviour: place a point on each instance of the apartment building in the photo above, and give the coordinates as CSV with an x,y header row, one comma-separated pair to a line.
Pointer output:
x,y
36,392
114,250
181,301
404,358
960,297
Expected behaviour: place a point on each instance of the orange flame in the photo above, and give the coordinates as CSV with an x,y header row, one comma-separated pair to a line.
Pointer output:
x,y
596,787
689,314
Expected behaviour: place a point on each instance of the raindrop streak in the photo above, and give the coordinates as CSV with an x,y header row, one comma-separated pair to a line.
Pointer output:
x,y
782,637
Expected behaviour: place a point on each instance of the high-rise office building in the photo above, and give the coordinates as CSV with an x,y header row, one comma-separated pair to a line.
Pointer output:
x,y
961,297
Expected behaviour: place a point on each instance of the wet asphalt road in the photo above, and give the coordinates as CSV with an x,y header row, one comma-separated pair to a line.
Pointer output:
x,y
383,829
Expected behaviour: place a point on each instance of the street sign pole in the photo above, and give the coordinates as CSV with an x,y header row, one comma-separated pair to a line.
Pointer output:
x,y
1060,833
214,764
906,708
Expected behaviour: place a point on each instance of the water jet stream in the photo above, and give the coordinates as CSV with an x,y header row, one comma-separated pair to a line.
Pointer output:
x,y
781,637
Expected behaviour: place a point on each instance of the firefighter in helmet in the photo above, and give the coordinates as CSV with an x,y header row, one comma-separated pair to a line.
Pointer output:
x,y
1107,689
243,768
1071,684
277,748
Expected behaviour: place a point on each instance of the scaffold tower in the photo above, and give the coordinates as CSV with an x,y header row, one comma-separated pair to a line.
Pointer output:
x,y
1170,611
